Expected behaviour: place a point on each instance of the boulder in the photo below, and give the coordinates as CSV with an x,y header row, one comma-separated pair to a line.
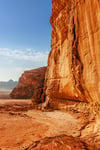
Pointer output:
x,y
62,142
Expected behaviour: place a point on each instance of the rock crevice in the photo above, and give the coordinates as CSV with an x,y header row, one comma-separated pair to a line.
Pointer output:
x,y
73,64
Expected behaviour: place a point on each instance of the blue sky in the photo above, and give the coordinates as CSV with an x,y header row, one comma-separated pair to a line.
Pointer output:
x,y
25,35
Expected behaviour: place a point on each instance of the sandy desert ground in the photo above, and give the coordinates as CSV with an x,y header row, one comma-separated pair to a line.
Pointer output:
x,y
21,125
4,94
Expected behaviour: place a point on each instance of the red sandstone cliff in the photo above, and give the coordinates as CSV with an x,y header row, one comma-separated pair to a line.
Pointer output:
x,y
73,71
30,85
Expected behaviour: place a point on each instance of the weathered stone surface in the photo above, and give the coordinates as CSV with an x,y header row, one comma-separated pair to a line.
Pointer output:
x,y
61,142
30,85
73,71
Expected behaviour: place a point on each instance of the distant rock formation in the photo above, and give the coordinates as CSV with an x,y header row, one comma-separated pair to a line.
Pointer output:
x,y
30,85
73,72
8,85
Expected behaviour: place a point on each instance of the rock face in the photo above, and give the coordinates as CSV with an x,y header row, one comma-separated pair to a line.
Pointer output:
x,y
61,142
73,71
30,85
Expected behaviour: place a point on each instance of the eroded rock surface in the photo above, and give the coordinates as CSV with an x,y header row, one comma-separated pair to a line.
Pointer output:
x,y
61,142
73,71
30,85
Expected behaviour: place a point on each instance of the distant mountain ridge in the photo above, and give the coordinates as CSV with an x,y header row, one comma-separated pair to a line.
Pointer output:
x,y
8,85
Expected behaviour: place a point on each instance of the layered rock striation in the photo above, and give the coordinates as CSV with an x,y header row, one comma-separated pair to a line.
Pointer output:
x,y
30,85
73,72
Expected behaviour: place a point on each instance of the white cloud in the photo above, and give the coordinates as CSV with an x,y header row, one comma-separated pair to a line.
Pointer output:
x,y
27,54
14,62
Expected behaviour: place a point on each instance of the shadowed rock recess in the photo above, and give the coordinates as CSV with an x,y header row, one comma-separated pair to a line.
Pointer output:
x,y
30,85
73,72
